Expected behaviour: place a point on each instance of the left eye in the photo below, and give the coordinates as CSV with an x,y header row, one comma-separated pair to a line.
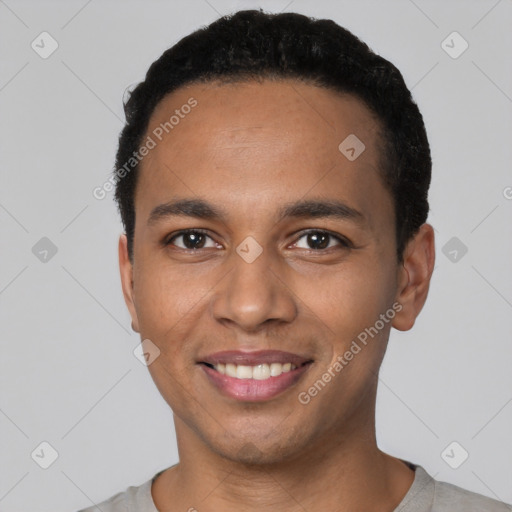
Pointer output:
x,y
320,240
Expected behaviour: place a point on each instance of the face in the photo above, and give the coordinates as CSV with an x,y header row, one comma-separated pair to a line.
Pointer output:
x,y
289,258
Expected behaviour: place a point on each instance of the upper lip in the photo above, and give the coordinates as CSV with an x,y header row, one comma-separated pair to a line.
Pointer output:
x,y
254,358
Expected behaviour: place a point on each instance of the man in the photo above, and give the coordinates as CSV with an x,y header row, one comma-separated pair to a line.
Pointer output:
x,y
272,179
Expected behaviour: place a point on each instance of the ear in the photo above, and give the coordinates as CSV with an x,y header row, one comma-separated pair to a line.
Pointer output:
x,y
414,277
126,270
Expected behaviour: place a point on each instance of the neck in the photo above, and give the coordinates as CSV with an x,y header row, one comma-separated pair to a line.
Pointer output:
x,y
342,471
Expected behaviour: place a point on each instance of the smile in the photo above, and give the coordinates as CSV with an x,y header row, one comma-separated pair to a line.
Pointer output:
x,y
260,372
255,376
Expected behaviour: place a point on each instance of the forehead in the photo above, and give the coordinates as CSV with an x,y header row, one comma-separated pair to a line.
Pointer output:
x,y
234,111
274,140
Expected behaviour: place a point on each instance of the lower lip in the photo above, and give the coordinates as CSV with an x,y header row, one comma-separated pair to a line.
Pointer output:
x,y
253,390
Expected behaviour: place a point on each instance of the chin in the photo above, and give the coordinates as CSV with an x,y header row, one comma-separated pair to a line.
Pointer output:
x,y
261,452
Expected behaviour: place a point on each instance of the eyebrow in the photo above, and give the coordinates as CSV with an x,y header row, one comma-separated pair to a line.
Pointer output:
x,y
201,209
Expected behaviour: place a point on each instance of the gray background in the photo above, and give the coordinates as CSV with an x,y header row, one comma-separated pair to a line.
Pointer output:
x,y
67,369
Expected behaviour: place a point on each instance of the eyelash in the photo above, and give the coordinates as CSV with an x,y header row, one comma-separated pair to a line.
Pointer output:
x,y
345,243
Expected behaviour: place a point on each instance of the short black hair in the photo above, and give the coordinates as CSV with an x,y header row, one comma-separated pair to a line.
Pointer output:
x,y
254,45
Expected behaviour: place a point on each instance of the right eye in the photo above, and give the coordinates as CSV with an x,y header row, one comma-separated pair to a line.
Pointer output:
x,y
193,239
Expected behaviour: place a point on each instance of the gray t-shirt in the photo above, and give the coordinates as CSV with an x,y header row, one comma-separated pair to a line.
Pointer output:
x,y
424,495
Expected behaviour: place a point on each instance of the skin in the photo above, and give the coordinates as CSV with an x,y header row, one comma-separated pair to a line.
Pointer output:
x,y
249,148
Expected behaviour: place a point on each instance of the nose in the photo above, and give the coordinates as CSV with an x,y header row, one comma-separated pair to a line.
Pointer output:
x,y
253,293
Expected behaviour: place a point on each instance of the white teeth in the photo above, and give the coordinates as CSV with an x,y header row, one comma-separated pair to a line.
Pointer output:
x,y
259,372
230,370
276,369
243,372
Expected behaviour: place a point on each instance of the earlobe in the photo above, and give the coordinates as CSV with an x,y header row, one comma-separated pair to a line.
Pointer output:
x,y
126,272
414,277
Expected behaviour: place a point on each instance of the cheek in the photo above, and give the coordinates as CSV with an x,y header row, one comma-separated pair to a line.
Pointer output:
x,y
368,321
168,304
166,290
347,299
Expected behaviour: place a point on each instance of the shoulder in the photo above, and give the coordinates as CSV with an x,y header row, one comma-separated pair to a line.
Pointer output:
x,y
428,494
451,498
116,503
134,498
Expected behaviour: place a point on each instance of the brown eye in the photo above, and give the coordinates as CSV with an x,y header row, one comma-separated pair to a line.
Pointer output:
x,y
192,239
321,240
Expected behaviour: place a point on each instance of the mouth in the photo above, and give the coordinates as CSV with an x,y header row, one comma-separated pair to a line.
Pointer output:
x,y
254,376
